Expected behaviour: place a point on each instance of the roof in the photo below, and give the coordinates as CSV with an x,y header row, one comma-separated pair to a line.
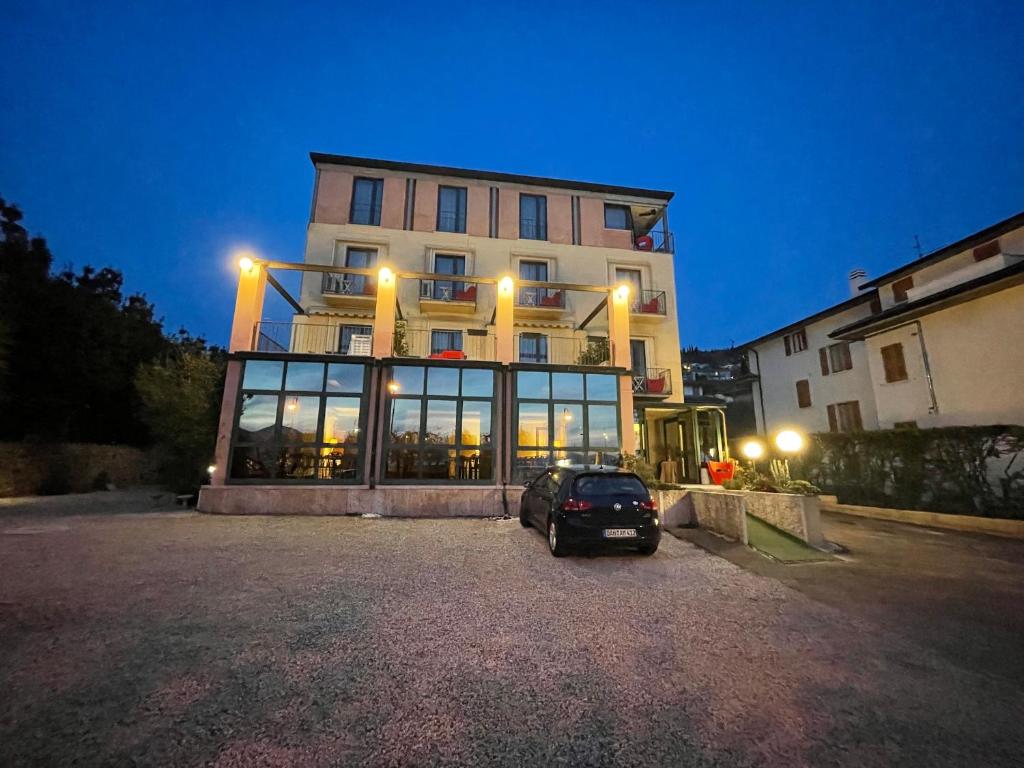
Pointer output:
x,y
971,241
466,173
861,298
956,294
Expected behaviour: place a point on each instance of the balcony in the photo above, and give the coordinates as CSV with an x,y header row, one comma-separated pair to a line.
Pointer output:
x,y
648,305
540,302
656,382
349,290
312,338
562,350
448,297
432,344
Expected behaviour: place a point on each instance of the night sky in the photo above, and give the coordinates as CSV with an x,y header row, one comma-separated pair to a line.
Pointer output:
x,y
801,141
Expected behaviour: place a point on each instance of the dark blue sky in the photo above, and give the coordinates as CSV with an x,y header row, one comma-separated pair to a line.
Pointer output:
x,y
801,141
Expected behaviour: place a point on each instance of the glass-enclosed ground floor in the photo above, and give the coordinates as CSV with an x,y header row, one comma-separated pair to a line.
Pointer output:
x,y
305,419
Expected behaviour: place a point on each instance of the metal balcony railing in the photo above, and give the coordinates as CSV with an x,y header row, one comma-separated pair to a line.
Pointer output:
x,y
444,345
544,298
657,240
348,285
312,338
648,303
561,350
448,290
652,381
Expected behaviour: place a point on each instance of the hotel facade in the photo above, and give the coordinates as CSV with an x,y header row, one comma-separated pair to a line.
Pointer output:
x,y
455,332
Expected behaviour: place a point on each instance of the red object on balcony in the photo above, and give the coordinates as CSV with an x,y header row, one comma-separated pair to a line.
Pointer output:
x,y
720,471
553,300
448,354
656,386
645,243
469,294
651,307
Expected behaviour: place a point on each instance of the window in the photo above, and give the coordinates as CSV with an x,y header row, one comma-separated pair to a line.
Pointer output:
x,y
835,356
533,348
445,341
533,217
616,217
299,422
535,296
564,416
987,251
803,393
900,288
345,342
448,290
451,209
359,285
366,199
894,363
795,342
844,417
439,425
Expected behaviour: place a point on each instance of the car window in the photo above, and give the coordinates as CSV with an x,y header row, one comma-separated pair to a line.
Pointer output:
x,y
608,485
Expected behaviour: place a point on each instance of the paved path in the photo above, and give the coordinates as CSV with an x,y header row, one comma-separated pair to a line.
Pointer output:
x,y
183,639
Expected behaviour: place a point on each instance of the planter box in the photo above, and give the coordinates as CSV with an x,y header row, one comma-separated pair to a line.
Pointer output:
x,y
798,516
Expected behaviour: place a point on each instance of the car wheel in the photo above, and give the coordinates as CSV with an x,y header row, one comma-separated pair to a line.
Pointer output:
x,y
647,551
555,543
523,519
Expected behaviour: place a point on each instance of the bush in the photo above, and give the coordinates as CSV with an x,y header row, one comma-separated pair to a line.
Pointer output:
x,y
639,467
752,480
960,470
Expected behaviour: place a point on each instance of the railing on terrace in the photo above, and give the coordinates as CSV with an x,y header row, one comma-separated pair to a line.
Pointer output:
x,y
448,290
444,345
561,350
312,338
544,298
652,381
349,285
648,303
658,240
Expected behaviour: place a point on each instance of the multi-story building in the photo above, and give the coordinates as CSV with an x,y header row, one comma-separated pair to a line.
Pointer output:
x,y
462,328
936,342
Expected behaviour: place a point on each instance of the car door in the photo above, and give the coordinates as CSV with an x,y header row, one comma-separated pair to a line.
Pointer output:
x,y
545,489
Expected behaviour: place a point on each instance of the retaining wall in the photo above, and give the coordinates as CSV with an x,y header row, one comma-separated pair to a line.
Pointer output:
x,y
799,516
29,469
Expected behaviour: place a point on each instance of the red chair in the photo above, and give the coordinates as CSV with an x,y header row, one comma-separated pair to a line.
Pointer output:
x,y
469,294
651,307
720,471
552,300
656,386
448,354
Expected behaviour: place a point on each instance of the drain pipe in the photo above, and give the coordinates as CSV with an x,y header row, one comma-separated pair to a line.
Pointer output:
x,y
934,407
760,390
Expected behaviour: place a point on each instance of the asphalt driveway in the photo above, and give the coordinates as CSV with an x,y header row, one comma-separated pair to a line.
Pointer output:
x,y
183,639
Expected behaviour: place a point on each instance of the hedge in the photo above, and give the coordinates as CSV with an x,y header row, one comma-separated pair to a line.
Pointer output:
x,y
960,470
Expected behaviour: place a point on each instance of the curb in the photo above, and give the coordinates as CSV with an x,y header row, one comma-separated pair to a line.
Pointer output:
x,y
992,526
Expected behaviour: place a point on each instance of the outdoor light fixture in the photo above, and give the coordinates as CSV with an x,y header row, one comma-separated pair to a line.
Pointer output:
x,y
505,284
622,292
246,264
789,441
211,469
752,449
385,276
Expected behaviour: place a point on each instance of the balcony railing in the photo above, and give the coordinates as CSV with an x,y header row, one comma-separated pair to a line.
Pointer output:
x,y
448,290
348,285
444,345
312,338
658,240
652,381
561,350
648,303
542,298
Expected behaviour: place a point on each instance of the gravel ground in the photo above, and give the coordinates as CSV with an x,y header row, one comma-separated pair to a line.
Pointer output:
x,y
184,639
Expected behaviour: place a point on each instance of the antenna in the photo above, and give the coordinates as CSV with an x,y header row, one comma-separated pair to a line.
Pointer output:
x,y
917,246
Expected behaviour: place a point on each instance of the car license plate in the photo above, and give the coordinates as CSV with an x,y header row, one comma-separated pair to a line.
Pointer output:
x,y
620,533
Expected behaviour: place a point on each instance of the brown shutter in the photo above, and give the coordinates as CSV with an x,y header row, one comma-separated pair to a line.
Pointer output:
x,y
803,338
823,359
900,288
986,251
789,349
847,358
894,363
803,393
833,425
855,423
875,305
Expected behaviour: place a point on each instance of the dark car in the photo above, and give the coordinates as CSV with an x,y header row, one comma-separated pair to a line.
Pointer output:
x,y
590,505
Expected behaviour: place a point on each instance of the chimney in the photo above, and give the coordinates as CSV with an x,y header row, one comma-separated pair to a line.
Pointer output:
x,y
857,278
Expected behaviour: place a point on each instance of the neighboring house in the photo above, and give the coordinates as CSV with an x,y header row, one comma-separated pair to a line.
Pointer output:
x,y
936,342
475,327
720,377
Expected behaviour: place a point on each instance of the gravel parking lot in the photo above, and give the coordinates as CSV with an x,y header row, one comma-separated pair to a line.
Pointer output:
x,y
182,639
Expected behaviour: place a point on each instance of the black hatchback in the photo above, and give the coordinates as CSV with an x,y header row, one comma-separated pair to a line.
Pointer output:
x,y
590,505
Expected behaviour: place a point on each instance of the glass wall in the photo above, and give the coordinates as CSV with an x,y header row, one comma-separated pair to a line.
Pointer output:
x,y
439,425
565,417
299,421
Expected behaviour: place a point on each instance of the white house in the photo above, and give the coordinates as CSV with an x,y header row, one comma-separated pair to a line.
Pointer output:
x,y
936,342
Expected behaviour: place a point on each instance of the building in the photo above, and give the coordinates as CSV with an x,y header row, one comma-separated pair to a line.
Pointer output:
x,y
936,342
720,376
460,329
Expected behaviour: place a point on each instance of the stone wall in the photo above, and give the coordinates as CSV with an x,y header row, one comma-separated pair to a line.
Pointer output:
x,y
676,507
798,516
722,512
28,469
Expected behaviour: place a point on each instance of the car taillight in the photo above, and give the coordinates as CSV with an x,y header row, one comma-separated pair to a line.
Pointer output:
x,y
576,505
649,506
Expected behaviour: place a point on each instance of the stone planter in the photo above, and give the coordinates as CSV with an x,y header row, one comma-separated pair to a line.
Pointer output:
x,y
798,516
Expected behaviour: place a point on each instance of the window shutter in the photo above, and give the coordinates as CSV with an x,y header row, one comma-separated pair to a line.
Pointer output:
x,y
823,359
855,423
803,393
847,358
900,288
875,305
789,348
833,425
987,251
894,363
